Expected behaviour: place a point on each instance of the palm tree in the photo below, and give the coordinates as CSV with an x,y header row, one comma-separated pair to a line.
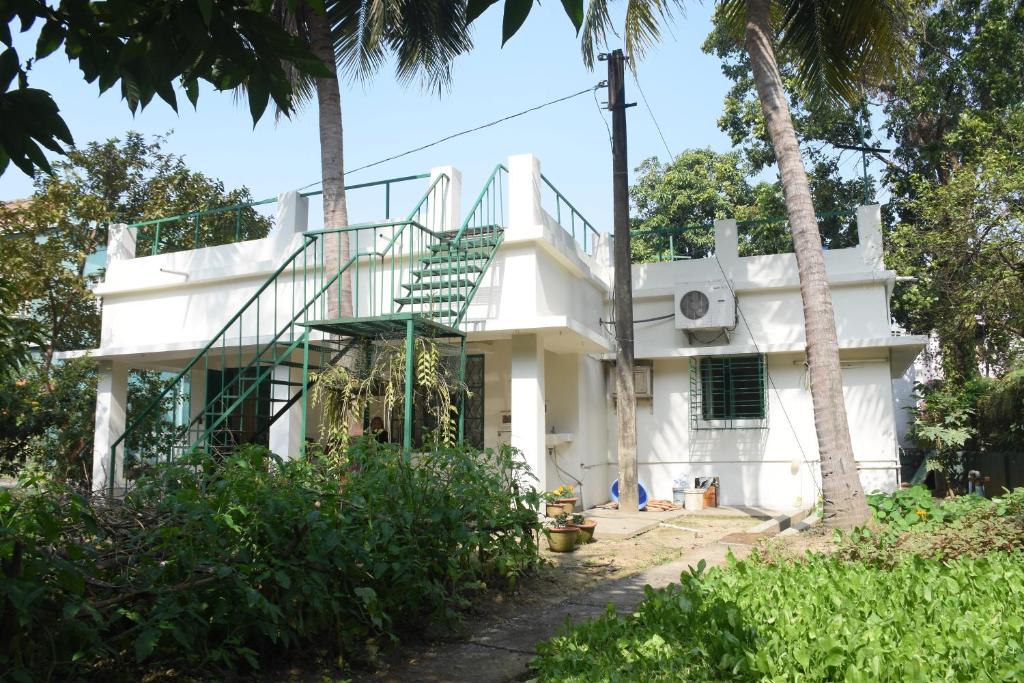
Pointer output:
x,y
836,47
355,38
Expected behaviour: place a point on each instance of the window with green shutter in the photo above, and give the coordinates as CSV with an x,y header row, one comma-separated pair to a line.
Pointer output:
x,y
728,392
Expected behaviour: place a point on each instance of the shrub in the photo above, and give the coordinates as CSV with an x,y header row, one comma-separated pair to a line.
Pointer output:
x,y
208,564
820,619
965,526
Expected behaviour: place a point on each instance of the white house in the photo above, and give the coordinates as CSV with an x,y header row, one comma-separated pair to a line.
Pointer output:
x,y
524,282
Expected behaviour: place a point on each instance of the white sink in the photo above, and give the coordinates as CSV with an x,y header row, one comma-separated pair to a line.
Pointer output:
x,y
555,440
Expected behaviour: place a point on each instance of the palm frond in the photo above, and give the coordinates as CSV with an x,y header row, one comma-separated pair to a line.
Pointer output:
x,y
838,48
424,37
641,29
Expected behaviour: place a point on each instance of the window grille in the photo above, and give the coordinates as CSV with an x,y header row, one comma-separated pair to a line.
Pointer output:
x,y
728,392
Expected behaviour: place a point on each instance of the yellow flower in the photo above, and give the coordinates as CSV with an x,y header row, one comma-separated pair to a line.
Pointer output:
x,y
922,513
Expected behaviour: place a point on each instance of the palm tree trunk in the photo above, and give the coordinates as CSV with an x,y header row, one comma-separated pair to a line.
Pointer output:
x,y
844,503
332,167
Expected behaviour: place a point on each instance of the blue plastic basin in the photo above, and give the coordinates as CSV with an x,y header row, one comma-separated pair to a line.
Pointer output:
x,y
642,497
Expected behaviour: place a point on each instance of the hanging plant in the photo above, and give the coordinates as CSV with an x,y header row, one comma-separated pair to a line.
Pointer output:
x,y
343,392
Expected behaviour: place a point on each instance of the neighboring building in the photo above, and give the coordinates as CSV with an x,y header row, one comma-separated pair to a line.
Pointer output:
x,y
529,288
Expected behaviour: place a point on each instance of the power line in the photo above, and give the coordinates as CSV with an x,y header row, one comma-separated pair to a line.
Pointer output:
x,y
462,132
651,112
604,119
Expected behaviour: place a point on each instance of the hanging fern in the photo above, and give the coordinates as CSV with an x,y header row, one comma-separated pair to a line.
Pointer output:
x,y
345,391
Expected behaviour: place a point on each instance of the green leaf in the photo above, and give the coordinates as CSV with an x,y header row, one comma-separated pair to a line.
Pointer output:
x,y
574,10
516,12
474,8
206,9
145,643
259,96
50,38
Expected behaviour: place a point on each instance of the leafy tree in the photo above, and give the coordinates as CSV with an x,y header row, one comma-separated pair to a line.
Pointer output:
x,y
47,243
956,182
17,334
146,46
700,186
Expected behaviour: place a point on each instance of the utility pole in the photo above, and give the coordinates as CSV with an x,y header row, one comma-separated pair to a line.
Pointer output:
x,y
622,294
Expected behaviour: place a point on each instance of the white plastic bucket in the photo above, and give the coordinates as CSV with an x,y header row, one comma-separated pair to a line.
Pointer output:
x,y
694,499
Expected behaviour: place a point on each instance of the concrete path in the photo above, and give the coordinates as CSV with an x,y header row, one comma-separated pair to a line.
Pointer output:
x,y
502,651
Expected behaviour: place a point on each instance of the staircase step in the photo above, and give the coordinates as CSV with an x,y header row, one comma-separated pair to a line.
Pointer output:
x,y
477,254
431,272
438,284
439,313
466,243
429,299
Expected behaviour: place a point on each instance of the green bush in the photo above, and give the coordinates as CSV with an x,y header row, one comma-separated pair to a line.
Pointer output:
x,y
820,619
209,564
964,526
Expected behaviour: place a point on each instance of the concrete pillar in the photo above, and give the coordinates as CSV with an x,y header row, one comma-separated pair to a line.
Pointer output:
x,y
524,185
528,419
121,242
111,406
445,208
292,218
726,241
197,400
285,437
869,235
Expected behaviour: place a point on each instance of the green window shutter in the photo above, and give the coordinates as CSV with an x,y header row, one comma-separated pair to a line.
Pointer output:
x,y
730,394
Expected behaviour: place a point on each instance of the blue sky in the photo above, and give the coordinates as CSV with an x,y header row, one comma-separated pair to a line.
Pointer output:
x,y
684,86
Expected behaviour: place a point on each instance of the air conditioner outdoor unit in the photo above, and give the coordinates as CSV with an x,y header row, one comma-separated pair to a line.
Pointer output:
x,y
705,305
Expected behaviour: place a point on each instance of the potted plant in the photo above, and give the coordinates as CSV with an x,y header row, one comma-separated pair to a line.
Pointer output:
x,y
586,527
564,495
552,506
561,534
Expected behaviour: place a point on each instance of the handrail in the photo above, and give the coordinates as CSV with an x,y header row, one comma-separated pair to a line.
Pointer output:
x,y
573,215
269,200
675,229
239,377
198,214
373,183
302,271
477,203
209,345
356,227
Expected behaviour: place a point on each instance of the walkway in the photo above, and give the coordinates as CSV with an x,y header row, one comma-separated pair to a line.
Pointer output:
x,y
502,651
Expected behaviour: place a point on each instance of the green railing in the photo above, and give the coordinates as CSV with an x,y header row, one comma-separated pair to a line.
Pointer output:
x,y
572,221
271,329
229,224
386,183
480,235
352,281
681,242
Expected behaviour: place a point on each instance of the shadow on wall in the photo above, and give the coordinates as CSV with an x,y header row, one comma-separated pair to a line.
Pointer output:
x,y
732,455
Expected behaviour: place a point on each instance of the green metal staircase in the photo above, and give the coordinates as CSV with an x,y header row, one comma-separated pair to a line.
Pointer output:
x,y
341,289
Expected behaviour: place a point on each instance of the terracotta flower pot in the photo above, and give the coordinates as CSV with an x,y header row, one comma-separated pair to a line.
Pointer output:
x,y
562,539
587,531
553,509
568,504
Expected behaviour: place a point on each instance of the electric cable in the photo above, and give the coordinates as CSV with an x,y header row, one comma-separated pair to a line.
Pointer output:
x,y
651,112
461,133
604,119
